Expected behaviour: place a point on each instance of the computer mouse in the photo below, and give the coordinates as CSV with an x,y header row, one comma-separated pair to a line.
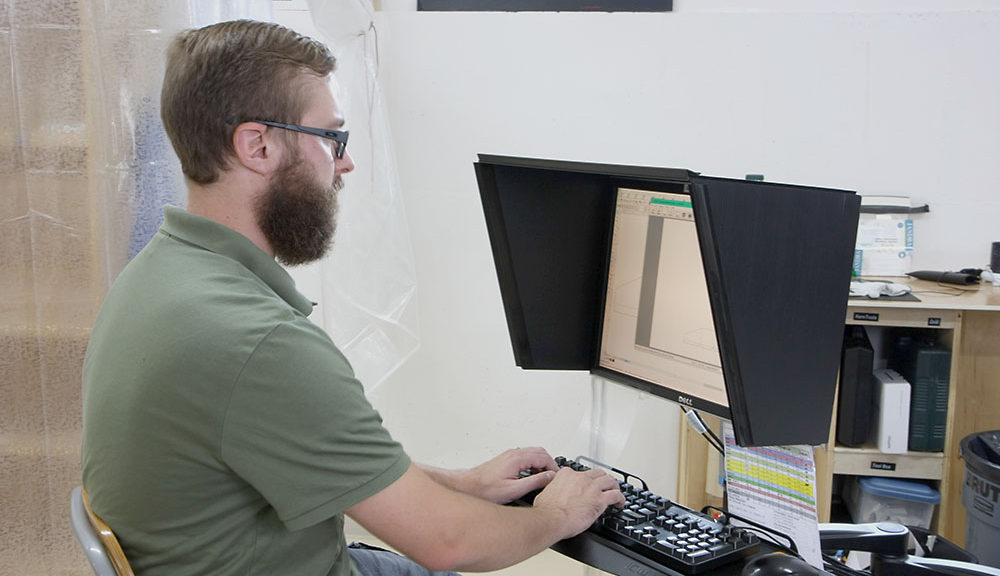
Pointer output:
x,y
780,564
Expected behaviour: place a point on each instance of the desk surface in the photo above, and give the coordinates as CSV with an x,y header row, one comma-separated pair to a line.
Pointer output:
x,y
937,296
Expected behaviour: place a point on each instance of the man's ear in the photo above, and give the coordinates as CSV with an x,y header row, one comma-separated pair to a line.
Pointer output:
x,y
255,148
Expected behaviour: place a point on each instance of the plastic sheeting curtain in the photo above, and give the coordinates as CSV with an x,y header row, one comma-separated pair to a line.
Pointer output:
x,y
84,171
366,287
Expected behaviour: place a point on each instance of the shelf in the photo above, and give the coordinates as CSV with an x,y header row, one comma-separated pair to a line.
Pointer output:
x,y
872,462
932,295
967,323
868,315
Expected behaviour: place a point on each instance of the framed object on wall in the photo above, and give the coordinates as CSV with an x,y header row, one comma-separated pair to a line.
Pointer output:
x,y
546,5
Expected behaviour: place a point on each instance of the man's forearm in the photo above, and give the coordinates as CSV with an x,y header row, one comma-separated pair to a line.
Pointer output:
x,y
457,531
503,536
459,480
498,479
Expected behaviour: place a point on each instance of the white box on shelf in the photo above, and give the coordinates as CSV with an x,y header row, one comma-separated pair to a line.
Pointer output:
x,y
892,411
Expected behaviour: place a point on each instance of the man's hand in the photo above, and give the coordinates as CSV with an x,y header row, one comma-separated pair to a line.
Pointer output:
x,y
497,480
581,496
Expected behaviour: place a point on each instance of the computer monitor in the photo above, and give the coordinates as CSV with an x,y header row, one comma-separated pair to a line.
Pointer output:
x,y
657,325
634,272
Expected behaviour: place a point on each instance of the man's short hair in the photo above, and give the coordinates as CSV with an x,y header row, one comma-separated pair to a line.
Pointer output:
x,y
232,72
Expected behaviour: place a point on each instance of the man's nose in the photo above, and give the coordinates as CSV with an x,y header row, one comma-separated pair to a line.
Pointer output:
x,y
345,164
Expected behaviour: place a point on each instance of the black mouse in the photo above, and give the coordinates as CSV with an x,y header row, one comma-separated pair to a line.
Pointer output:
x,y
779,564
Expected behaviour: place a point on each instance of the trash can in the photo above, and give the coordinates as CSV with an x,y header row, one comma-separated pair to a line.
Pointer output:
x,y
981,495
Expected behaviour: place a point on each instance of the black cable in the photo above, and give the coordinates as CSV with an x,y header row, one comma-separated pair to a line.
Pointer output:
x,y
838,568
716,443
771,533
710,431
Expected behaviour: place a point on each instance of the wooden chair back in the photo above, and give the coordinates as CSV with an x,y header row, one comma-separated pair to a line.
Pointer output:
x,y
109,540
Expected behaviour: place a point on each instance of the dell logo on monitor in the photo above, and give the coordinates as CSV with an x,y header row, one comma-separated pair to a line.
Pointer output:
x,y
685,400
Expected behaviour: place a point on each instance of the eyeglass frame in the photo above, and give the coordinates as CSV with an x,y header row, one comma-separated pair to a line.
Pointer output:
x,y
338,136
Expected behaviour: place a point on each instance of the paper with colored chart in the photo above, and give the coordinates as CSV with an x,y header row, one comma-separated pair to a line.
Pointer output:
x,y
775,486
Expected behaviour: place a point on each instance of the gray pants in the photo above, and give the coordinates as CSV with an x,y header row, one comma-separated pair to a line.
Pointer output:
x,y
373,561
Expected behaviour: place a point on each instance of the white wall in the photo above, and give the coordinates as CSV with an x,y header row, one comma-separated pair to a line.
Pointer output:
x,y
889,101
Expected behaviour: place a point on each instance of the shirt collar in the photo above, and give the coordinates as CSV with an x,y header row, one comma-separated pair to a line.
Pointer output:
x,y
215,237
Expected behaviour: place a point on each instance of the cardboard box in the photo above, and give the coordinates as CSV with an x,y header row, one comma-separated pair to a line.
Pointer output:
x,y
883,261
884,245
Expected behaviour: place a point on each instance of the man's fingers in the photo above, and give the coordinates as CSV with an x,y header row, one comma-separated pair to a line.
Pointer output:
x,y
534,457
611,494
536,481
614,497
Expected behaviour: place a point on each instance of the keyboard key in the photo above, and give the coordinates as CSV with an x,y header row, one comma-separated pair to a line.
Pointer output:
x,y
646,513
698,553
667,545
630,515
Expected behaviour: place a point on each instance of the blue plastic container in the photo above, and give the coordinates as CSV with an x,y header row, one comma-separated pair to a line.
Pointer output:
x,y
877,499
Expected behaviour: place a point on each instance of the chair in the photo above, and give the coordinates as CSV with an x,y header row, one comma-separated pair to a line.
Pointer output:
x,y
96,538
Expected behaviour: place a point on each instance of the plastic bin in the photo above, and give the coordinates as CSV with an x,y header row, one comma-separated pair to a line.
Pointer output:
x,y
876,499
980,495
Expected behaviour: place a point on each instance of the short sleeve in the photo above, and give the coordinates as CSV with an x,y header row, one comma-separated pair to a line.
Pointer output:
x,y
299,429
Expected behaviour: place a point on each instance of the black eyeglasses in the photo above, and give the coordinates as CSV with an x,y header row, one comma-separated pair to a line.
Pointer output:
x,y
338,136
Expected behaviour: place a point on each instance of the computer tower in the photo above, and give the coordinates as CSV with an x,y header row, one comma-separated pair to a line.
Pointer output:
x,y
854,408
926,365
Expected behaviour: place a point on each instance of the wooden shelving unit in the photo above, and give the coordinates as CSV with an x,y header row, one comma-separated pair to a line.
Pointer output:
x,y
968,322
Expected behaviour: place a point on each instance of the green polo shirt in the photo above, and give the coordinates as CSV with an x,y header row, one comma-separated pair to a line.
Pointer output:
x,y
224,433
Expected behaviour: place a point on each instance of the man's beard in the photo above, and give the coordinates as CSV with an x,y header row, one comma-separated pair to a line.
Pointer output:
x,y
298,215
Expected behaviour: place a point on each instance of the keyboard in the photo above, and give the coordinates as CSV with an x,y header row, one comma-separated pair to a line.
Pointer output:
x,y
651,528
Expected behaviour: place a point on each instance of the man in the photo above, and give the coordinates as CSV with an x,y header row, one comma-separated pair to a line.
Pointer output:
x,y
224,433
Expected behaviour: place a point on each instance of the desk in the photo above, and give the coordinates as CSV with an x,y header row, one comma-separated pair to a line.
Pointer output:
x,y
971,325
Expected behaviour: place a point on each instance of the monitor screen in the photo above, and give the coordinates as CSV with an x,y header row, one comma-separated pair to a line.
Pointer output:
x,y
720,294
657,323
